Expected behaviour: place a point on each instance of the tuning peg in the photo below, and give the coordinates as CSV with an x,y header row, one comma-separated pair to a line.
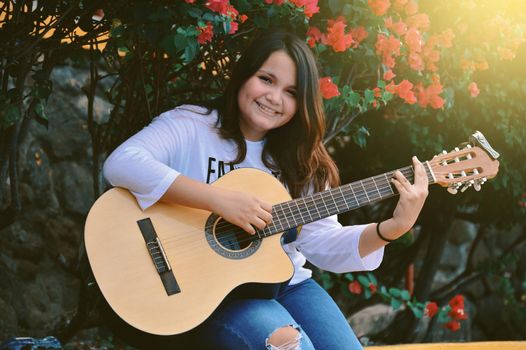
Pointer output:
x,y
457,149
467,185
452,190
477,186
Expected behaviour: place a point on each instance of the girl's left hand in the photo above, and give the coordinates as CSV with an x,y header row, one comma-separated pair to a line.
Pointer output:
x,y
412,197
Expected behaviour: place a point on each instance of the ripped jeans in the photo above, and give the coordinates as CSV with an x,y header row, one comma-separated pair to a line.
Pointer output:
x,y
247,324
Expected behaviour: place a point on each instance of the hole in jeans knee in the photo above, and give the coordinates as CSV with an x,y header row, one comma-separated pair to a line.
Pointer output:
x,y
284,338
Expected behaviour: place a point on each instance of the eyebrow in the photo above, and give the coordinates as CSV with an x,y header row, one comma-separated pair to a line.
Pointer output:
x,y
273,76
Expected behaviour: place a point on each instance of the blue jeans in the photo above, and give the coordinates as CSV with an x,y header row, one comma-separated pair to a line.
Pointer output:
x,y
246,324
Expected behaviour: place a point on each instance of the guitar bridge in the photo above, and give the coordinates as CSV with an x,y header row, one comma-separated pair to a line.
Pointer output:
x,y
158,255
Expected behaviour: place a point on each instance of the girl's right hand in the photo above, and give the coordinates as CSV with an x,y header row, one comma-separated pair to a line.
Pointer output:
x,y
241,209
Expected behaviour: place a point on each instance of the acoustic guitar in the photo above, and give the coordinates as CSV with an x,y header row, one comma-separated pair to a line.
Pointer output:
x,y
164,270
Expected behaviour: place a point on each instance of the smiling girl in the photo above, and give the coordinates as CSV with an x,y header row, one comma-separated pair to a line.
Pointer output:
x,y
269,118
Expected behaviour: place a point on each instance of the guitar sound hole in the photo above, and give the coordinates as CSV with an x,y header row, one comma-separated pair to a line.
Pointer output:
x,y
231,237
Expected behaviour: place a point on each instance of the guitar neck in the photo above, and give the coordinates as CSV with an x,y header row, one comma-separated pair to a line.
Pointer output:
x,y
337,200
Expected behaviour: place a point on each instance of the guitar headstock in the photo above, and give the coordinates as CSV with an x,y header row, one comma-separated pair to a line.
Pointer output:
x,y
470,164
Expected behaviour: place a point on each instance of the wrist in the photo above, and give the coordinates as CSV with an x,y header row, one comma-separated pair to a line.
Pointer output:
x,y
391,230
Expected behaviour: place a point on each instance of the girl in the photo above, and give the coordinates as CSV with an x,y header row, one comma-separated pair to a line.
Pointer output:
x,y
270,118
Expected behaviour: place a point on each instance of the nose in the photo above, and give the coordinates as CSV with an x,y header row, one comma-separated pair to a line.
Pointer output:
x,y
274,96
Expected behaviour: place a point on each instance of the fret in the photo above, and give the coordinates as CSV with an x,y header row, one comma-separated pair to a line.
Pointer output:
x,y
361,182
299,211
389,183
343,196
278,219
291,213
307,207
335,203
377,190
316,207
321,198
292,216
354,195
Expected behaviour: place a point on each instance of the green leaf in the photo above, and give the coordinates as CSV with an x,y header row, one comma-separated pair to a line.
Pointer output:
x,y
350,277
190,51
364,281
395,304
353,99
405,295
194,12
419,313
372,278
395,292
367,293
326,281
369,96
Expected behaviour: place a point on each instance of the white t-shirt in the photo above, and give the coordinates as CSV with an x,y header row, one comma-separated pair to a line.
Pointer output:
x,y
186,141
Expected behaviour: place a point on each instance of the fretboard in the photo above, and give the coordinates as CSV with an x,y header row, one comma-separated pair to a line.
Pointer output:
x,y
337,200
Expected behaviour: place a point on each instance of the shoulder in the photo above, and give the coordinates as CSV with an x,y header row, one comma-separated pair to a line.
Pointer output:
x,y
190,114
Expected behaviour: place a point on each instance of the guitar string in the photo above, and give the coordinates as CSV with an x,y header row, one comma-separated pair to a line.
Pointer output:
x,y
252,238
368,188
308,208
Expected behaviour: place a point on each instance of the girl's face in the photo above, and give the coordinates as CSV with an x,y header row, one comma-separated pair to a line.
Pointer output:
x,y
267,100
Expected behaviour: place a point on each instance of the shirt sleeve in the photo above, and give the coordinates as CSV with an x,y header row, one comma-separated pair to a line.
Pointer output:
x,y
141,163
333,247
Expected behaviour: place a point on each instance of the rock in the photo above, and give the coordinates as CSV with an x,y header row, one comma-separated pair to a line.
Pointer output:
x,y
372,319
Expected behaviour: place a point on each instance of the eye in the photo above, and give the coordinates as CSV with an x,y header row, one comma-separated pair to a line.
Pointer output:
x,y
265,79
292,93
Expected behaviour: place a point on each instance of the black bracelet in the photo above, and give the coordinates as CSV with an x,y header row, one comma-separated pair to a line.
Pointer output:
x,y
380,235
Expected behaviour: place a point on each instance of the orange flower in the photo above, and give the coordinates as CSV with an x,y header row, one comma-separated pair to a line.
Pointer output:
x,y
388,48
311,8
413,39
419,21
404,91
336,36
372,286
313,36
233,27
473,89
358,35
430,96
379,7
389,75
431,309
243,18
453,326
416,62
457,302
355,287
206,33
328,88
220,6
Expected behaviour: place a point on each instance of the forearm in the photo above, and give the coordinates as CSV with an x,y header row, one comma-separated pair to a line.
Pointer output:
x,y
370,241
191,193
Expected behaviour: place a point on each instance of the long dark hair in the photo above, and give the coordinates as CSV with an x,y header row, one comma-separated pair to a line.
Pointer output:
x,y
296,149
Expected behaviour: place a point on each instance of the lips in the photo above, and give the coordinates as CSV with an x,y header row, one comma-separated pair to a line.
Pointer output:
x,y
266,109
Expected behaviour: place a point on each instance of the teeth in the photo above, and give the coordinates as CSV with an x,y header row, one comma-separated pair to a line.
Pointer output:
x,y
266,108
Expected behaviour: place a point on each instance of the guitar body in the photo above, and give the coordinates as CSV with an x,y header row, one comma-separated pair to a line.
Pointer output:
x,y
130,282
